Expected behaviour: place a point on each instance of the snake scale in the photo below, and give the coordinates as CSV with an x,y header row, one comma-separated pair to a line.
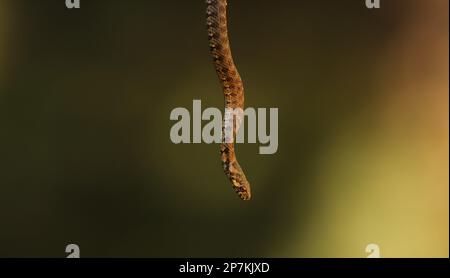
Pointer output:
x,y
233,90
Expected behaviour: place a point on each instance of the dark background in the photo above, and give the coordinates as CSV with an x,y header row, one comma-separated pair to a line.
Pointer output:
x,y
86,157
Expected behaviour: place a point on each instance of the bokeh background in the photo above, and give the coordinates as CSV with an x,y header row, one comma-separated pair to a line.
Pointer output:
x,y
86,157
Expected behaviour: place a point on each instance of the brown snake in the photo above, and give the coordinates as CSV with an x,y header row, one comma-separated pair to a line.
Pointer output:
x,y
233,90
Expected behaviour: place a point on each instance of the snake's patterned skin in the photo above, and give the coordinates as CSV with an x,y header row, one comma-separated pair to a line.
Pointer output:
x,y
233,90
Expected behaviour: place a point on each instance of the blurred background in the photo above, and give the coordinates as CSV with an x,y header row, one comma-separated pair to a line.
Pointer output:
x,y
86,157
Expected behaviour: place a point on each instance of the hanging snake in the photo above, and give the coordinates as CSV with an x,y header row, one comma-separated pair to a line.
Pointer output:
x,y
233,90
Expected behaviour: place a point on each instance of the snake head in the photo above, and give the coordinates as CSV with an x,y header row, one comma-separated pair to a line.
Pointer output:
x,y
239,182
243,190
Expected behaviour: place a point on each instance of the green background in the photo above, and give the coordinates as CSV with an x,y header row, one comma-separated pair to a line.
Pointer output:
x,y
86,157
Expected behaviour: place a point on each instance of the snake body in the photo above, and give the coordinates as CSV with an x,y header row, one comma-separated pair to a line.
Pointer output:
x,y
233,90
